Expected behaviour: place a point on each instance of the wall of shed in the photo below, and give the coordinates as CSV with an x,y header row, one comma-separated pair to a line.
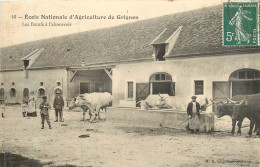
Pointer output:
x,y
49,78
88,76
183,71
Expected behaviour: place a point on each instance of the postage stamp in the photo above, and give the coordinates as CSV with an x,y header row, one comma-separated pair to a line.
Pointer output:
x,y
240,24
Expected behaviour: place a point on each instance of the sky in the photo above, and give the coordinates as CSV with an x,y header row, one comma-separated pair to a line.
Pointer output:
x,y
14,31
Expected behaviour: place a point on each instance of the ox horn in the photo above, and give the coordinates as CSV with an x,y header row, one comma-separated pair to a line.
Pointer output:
x,y
232,101
217,102
212,101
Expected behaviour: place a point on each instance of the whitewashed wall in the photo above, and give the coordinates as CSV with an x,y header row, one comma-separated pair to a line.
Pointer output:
x,y
48,77
183,71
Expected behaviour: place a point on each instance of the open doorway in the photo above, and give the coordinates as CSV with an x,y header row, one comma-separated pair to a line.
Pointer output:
x,y
245,82
161,83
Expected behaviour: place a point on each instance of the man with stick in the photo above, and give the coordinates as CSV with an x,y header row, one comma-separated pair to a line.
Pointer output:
x,y
193,110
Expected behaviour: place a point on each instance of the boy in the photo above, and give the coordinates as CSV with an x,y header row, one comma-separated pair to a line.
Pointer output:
x,y
2,108
24,106
44,106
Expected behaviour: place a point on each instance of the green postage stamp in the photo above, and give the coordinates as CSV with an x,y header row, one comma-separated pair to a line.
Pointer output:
x,y
240,24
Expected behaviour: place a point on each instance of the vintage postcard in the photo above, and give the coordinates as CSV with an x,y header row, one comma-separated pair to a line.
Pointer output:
x,y
129,83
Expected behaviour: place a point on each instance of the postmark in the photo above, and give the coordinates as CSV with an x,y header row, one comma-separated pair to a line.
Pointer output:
x,y
240,24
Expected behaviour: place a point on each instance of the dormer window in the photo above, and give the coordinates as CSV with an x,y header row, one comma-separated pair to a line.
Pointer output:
x,y
25,64
164,43
160,52
31,57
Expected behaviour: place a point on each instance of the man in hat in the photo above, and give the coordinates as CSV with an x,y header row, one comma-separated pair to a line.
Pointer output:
x,y
193,110
44,106
58,105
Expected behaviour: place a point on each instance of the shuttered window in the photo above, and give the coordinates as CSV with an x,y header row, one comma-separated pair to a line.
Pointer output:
x,y
199,87
130,90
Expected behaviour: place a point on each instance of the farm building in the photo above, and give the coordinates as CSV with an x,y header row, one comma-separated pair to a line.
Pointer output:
x,y
180,55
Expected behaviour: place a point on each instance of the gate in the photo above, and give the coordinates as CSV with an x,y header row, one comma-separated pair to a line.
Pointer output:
x,y
220,92
142,91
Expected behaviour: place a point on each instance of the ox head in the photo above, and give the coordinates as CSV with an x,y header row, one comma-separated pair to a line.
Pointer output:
x,y
160,101
143,104
224,109
228,106
221,107
77,102
72,103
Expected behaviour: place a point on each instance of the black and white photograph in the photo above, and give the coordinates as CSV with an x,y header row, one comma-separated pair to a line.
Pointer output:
x,y
129,83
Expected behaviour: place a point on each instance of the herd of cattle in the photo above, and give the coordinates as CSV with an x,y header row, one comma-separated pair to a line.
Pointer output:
x,y
239,107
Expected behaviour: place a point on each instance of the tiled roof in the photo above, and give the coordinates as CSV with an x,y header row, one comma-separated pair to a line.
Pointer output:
x,y
201,33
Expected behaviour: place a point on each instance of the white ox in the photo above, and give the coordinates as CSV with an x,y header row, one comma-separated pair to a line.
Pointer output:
x,y
152,101
172,102
94,101
181,103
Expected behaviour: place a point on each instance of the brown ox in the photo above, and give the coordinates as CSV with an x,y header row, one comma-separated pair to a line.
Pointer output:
x,y
240,107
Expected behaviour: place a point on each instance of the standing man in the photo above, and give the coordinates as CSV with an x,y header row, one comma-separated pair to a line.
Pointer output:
x,y
193,110
44,106
58,105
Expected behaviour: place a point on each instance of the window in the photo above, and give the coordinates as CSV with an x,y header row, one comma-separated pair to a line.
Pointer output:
x,y
99,87
242,75
84,87
199,88
130,90
2,84
41,83
161,77
12,92
161,83
58,84
41,92
157,77
245,74
25,63
13,83
160,52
